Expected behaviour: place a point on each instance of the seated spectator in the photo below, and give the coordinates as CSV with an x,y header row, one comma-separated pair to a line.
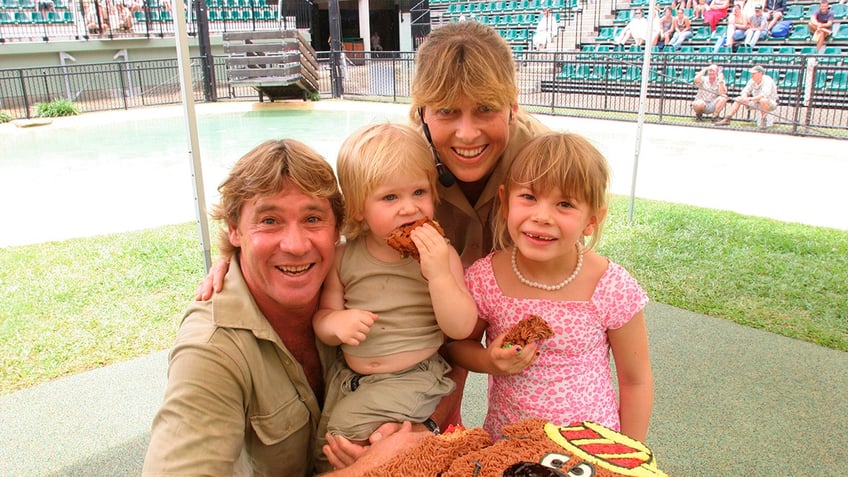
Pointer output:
x,y
546,30
774,11
821,25
666,27
124,17
637,29
698,10
737,23
712,93
45,6
682,29
715,12
757,27
750,6
760,94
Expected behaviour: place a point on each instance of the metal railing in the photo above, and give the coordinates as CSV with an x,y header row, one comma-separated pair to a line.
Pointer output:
x,y
813,92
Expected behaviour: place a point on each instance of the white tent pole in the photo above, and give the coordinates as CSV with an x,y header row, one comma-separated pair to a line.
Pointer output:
x,y
643,94
183,61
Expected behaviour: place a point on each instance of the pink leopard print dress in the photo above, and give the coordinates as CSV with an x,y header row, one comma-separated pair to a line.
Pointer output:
x,y
571,380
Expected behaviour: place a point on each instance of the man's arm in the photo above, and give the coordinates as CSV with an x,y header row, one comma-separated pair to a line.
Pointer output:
x,y
200,426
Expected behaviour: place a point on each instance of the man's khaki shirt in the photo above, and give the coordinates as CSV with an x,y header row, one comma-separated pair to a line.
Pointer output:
x,y
237,402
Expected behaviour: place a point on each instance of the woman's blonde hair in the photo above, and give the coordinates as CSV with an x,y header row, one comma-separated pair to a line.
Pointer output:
x,y
263,171
373,155
463,60
557,160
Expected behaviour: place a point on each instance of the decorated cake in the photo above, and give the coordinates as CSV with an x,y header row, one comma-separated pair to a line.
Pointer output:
x,y
528,448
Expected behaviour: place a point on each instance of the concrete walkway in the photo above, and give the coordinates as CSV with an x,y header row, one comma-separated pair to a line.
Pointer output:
x,y
730,400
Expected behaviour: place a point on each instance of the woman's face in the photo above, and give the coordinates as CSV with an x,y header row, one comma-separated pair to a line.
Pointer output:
x,y
470,138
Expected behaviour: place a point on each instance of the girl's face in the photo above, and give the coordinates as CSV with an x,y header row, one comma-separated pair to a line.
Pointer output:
x,y
398,201
545,226
470,138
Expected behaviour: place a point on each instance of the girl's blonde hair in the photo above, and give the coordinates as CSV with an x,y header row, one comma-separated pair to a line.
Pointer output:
x,y
463,60
263,171
373,155
557,160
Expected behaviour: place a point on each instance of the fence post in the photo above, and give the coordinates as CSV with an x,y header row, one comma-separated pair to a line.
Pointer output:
x,y
123,85
24,91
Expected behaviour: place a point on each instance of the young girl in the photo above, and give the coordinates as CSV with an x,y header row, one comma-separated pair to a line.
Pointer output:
x,y
389,313
553,197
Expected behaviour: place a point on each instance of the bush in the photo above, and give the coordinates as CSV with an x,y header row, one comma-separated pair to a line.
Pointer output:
x,y
56,108
5,117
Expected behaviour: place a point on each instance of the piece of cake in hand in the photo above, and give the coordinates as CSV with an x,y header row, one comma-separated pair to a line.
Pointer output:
x,y
531,328
399,238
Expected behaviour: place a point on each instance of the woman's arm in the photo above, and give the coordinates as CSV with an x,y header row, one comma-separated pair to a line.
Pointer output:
x,y
635,381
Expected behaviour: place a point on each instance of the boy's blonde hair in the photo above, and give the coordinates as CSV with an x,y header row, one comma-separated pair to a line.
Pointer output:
x,y
558,160
463,60
263,171
373,155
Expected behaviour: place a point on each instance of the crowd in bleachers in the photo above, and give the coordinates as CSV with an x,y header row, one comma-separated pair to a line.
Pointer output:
x,y
32,19
730,34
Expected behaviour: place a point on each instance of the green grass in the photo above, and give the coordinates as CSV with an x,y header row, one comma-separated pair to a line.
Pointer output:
x,y
76,305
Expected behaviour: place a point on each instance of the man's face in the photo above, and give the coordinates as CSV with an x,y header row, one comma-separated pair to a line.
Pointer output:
x,y
287,242
757,76
824,7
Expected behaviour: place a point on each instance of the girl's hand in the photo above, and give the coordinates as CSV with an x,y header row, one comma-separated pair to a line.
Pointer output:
x,y
214,281
510,359
433,250
353,326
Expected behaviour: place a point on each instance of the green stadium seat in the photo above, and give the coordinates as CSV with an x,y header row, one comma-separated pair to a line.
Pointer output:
x,y
832,55
764,54
23,18
5,18
165,16
794,12
799,33
11,4
599,73
840,11
632,74
616,72
785,54
687,74
139,16
820,80
700,33
790,80
842,33
26,4
606,33
839,82
623,16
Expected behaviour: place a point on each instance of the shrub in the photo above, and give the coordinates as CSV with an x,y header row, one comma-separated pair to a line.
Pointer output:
x,y
5,117
56,108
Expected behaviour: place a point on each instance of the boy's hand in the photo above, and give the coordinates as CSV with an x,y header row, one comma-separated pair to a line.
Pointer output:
x,y
353,326
433,250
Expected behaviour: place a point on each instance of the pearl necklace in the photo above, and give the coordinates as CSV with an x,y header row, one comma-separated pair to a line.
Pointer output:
x,y
558,286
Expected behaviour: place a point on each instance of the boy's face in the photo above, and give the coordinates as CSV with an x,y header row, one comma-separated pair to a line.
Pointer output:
x,y
470,138
398,201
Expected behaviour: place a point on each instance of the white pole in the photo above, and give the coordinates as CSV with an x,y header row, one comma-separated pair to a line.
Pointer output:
x,y
643,94
183,59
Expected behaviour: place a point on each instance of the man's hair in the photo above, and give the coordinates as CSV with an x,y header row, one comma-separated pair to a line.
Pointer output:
x,y
463,60
374,155
263,171
557,160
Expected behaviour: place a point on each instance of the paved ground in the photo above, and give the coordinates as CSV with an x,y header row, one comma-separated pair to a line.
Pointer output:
x,y
730,400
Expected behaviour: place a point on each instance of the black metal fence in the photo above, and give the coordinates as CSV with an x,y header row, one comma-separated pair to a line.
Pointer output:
x,y
813,92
